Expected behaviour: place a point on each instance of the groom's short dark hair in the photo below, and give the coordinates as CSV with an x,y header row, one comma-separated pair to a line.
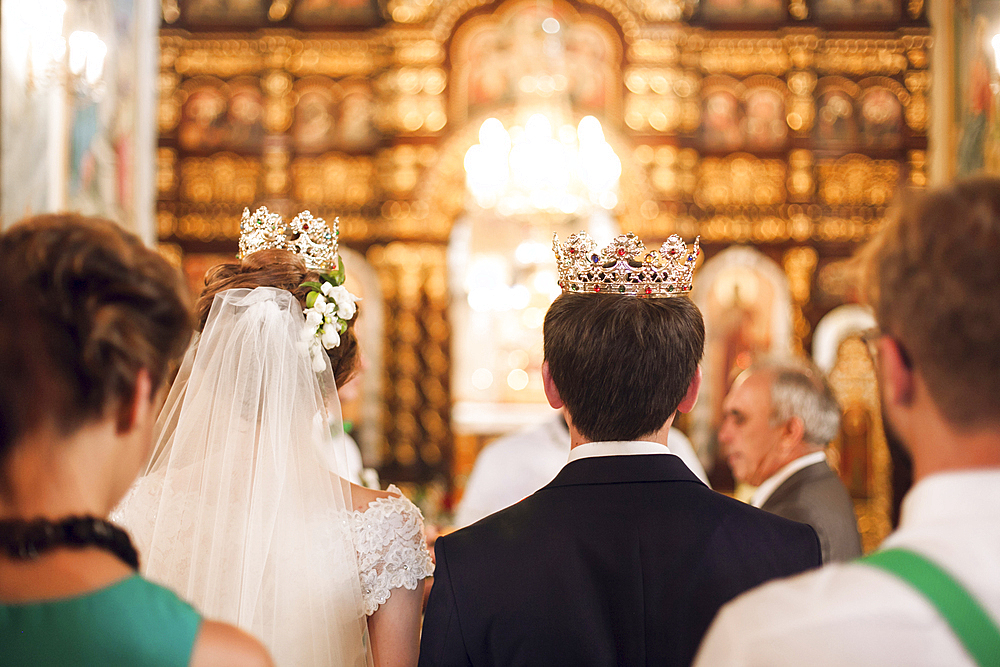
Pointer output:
x,y
622,364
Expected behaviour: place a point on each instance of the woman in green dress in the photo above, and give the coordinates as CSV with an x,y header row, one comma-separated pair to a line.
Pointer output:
x,y
91,322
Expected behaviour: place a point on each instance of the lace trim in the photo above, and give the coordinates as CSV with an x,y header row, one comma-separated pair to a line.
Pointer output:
x,y
392,553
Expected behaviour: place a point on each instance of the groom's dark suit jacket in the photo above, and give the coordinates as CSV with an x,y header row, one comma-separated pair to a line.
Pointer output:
x,y
620,560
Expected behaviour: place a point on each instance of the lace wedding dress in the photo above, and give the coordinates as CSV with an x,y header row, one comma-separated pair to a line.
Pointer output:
x,y
392,553
243,510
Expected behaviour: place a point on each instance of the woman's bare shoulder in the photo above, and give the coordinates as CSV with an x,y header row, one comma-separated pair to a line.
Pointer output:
x,y
222,645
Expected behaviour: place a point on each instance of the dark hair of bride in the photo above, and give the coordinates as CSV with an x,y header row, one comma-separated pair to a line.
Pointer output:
x,y
285,270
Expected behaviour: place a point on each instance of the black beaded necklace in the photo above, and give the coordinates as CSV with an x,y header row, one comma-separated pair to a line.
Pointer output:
x,y
27,540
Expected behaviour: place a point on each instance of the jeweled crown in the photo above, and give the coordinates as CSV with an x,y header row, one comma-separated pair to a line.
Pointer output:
x,y
625,267
309,237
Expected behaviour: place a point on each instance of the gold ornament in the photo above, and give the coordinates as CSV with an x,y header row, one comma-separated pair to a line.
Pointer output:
x,y
624,266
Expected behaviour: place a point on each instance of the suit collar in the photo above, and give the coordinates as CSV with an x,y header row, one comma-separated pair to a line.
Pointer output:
x,y
806,475
623,469
775,481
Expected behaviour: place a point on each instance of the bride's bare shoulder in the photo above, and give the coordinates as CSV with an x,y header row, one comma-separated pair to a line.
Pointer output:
x,y
361,497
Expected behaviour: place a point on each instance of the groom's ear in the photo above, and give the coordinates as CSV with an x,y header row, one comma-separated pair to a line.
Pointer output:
x,y
691,397
551,393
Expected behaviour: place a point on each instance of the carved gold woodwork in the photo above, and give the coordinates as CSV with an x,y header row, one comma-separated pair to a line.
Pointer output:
x,y
333,179
861,56
857,180
662,50
416,397
915,8
800,265
276,177
918,164
280,104
399,168
917,83
331,57
662,99
222,178
414,101
672,173
853,382
802,49
166,171
800,178
662,10
802,109
452,12
169,114
740,180
410,11
203,227
917,47
798,9
738,55
416,49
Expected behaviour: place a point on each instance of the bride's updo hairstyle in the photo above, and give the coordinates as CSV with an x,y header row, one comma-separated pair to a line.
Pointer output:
x,y
98,306
284,270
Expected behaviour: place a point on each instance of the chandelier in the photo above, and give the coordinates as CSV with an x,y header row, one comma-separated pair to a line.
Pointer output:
x,y
568,171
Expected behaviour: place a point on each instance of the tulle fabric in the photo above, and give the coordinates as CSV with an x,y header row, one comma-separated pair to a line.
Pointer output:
x,y
242,509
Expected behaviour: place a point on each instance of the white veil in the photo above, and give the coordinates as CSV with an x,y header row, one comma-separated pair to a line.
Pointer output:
x,y
241,510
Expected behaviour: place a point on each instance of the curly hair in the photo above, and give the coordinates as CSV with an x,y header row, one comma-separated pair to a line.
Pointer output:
x,y
102,307
285,270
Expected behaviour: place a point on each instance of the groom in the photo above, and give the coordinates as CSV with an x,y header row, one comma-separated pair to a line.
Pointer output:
x,y
624,558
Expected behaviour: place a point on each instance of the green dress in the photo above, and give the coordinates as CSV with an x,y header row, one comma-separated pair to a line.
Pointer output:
x,y
132,622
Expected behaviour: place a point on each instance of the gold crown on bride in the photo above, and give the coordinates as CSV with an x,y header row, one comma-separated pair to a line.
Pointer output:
x,y
624,266
306,236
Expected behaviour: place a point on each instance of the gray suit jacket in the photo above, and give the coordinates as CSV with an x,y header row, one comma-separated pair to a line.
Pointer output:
x,y
816,496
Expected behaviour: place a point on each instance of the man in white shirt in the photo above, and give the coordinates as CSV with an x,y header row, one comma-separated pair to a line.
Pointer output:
x,y
625,557
777,420
933,277
516,465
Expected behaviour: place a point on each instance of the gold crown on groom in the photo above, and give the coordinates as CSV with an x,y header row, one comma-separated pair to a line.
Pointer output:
x,y
313,240
625,267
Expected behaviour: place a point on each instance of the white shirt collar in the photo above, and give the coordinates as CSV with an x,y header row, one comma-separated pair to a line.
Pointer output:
x,y
946,497
771,484
616,448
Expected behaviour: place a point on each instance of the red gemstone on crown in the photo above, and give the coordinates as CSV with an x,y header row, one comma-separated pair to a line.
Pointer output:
x,y
305,227
649,290
621,251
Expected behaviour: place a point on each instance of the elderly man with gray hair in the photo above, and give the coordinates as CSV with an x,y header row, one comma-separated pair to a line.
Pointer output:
x,y
777,420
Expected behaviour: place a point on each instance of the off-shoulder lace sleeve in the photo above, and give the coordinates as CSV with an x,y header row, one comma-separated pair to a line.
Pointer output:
x,y
392,553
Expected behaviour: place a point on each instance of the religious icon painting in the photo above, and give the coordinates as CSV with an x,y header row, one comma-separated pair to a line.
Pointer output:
x,y
765,127
836,121
245,116
314,128
224,12
853,446
721,121
881,118
359,13
742,11
851,11
203,115
355,128
976,131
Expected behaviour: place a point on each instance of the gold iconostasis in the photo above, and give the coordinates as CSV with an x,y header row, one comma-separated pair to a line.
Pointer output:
x,y
452,138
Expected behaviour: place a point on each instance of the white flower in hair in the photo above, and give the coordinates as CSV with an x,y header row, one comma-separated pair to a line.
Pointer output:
x,y
329,307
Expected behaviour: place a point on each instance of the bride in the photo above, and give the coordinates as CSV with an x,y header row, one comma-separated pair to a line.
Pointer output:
x,y
244,508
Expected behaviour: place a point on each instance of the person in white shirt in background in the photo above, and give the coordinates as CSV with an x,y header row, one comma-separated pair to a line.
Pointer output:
x,y
933,278
514,466
777,420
